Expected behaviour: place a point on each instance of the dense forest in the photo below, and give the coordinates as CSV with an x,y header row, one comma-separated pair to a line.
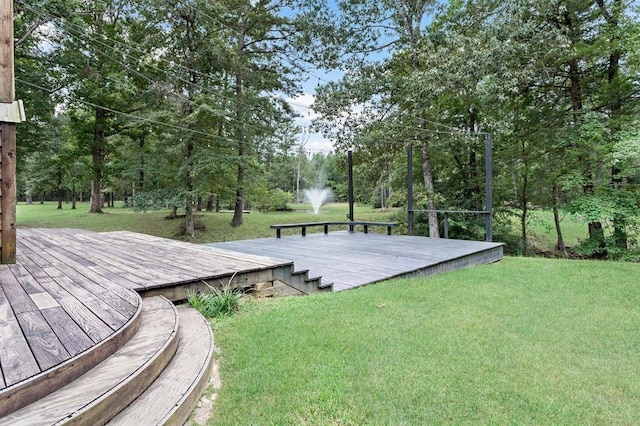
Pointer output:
x,y
183,103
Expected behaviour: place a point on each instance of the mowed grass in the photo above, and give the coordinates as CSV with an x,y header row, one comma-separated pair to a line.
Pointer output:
x,y
542,231
216,225
523,341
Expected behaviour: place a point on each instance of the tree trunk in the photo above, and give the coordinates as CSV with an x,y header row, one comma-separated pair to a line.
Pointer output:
x,y
189,224
560,247
620,236
524,215
575,91
60,190
434,232
524,202
73,195
97,158
242,147
199,203
210,203
141,165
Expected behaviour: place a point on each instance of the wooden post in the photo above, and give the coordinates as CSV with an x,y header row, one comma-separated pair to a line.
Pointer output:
x,y
7,138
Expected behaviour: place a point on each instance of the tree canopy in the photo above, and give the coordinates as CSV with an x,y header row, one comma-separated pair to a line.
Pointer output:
x,y
171,103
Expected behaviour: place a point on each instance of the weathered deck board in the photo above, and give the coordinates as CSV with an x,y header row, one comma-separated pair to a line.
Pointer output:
x,y
82,288
43,341
74,339
71,290
141,261
352,259
58,254
169,399
19,299
16,358
98,395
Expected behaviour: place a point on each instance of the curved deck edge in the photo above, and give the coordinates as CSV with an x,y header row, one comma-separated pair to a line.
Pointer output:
x,y
36,387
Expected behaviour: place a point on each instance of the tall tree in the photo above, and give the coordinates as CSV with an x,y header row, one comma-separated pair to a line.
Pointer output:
x,y
381,88
270,46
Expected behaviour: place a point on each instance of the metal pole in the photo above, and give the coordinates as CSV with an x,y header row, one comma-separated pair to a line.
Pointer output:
x,y
488,172
410,189
350,187
446,225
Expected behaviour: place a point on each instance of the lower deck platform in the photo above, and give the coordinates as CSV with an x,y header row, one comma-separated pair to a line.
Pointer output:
x,y
351,259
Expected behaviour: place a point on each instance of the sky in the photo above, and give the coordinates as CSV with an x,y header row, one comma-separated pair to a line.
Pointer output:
x,y
302,105
315,142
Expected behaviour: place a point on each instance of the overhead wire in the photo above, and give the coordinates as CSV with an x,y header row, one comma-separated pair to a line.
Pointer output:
x,y
133,116
219,21
130,46
452,131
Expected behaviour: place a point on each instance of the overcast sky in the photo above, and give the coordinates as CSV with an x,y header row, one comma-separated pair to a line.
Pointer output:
x,y
313,142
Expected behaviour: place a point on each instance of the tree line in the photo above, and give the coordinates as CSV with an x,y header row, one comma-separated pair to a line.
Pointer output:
x,y
554,82
176,102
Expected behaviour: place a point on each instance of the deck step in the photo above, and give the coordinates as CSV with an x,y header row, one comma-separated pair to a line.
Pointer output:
x,y
87,357
300,280
174,394
102,392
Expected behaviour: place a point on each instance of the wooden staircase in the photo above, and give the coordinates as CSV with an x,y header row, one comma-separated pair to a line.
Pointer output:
x,y
300,280
155,378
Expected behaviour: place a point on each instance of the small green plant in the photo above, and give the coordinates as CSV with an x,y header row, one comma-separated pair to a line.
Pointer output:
x,y
218,303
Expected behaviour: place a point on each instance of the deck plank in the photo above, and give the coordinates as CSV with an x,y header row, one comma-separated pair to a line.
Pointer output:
x,y
16,358
93,326
43,341
54,253
170,398
124,258
73,338
109,307
112,384
78,267
352,259
122,300
145,256
19,299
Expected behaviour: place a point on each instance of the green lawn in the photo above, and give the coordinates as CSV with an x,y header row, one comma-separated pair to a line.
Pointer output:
x,y
523,341
217,228
216,225
543,232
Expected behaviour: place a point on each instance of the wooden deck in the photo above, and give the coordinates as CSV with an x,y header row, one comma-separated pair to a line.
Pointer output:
x,y
74,299
352,259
